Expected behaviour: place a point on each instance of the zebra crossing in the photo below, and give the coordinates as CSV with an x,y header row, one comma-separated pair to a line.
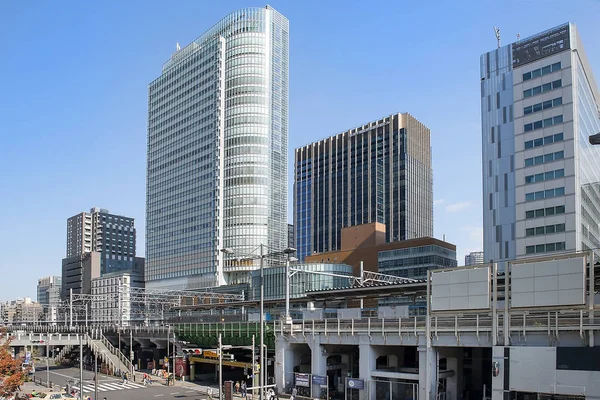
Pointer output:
x,y
109,386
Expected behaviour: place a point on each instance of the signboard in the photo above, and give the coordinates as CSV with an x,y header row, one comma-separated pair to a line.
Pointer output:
x,y
460,289
319,380
181,367
358,384
210,354
302,380
560,282
540,46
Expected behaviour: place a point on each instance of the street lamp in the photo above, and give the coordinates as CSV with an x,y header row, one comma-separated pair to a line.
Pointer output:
x,y
595,139
261,257
287,316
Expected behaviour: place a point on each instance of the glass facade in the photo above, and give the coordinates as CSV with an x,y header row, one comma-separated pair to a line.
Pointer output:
x,y
380,172
414,262
300,282
217,152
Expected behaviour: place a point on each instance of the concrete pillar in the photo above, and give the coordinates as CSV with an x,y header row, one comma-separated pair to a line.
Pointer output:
x,y
367,363
498,381
285,361
428,376
318,361
454,383
192,371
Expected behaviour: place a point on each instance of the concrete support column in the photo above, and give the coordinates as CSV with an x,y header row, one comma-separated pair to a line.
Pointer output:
x,y
498,381
285,361
454,383
428,373
367,363
192,372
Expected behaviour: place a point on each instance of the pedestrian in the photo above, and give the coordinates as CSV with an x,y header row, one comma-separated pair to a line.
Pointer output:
x,y
244,389
124,378
237,387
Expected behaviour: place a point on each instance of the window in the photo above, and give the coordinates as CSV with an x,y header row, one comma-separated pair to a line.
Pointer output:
x,y
544,123
545,194
542,88
541,71
543,248
559,173
542,106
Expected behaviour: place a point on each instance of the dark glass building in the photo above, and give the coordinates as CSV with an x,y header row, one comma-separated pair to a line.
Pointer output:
x,y
378,172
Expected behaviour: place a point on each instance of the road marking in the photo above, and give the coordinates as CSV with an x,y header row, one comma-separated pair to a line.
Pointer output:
x,y
158,395
190,391
113,386
175,393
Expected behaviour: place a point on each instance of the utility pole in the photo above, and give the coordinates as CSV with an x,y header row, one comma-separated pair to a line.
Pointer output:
x,y
81,367
253,366
131,350
71,308
220,368
96,374
168,347
47,355
262,322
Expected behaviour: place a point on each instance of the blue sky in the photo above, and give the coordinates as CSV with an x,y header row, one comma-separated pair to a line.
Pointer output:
x,y
73,99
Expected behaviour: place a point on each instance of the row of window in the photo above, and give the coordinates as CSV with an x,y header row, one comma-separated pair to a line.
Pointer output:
x,y
544,248
541,71
558,137
545,230
545,194
544,176
542,106
544,212
543,123
546,87
546,158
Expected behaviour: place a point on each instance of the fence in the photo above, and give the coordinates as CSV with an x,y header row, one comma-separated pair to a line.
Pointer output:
x,y
306,386
374,389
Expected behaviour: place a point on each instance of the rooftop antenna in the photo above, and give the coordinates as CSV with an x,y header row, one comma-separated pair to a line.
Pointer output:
x,y
178,47
497,32
518,37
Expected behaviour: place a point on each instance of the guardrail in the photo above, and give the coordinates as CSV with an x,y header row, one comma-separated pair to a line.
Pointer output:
x,y
115,351
521,323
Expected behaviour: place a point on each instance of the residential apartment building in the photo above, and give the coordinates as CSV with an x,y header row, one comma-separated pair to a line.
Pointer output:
x,y
217,153
114,298
111,235
474,258
21,311
378,172
539,105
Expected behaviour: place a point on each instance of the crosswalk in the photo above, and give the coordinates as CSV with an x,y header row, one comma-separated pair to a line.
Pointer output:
x,y
109,386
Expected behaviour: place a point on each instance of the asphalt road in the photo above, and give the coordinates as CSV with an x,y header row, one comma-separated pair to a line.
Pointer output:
x,y
113,389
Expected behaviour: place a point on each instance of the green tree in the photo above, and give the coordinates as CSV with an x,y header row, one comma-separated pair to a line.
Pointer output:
x,y
11,374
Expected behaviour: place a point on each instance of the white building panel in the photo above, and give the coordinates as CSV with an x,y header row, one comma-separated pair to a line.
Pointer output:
x,y
463,289
548,283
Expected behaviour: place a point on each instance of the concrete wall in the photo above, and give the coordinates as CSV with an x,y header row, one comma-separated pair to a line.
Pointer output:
x,y
533,369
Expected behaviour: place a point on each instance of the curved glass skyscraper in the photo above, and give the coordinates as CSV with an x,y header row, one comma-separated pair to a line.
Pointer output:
x,y
217,153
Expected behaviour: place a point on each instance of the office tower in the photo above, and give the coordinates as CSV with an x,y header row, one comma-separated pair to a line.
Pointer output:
x,y
109,234
217,153
291,239
539,105
474,258
48,290
378,172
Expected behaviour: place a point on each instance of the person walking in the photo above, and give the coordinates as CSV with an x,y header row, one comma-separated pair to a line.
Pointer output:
x,y
237,387
244,389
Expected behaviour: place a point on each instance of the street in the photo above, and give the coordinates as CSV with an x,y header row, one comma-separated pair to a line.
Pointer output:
x,y
113,389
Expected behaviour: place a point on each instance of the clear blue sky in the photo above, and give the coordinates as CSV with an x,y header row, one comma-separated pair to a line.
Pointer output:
x,y
73,99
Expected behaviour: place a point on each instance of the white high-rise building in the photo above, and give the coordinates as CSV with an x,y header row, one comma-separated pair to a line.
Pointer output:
x,y
474,258
217,153
539,105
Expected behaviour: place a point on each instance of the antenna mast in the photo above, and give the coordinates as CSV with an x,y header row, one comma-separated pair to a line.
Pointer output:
x,y
497,32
